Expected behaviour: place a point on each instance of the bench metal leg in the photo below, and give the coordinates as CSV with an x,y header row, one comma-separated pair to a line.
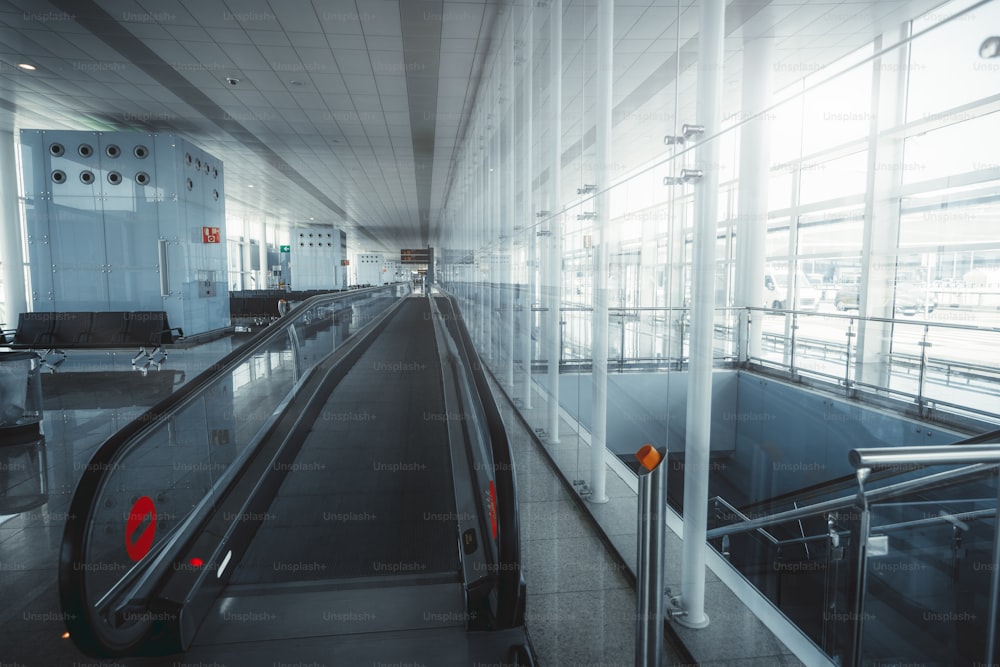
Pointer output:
x,y
144,359
45,358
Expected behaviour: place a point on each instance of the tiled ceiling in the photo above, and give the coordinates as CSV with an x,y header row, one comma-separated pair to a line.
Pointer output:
x,y
350,112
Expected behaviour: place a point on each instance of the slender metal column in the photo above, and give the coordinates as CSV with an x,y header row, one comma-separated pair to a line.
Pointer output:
x,y
510,215
554,301
483,264
599,324
699,399
11,261
651,548
492,234
527,204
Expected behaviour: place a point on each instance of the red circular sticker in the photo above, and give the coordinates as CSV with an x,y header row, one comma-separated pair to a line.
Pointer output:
x,y
138,546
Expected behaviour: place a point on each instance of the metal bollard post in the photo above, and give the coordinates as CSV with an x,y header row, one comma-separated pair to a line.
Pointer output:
x,y
652,534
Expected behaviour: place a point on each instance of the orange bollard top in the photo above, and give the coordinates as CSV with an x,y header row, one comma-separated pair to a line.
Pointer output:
x,y
648,457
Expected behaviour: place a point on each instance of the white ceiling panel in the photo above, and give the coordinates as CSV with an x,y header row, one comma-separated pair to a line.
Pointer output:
x,y
347,128
308,40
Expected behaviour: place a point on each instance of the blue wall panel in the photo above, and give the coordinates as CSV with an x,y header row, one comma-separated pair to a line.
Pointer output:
x,y
94,233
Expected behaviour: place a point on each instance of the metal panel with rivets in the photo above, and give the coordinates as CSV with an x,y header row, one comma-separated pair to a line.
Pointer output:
x,y
117,220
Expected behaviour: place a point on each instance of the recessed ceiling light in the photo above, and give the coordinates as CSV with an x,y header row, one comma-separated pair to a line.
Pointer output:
x,y
250,185
312,218
27,67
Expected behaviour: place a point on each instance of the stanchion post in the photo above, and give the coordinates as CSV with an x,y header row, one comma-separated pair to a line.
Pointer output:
x,y
652,543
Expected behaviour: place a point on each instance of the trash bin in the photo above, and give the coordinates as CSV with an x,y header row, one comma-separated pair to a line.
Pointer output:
x,y
23,481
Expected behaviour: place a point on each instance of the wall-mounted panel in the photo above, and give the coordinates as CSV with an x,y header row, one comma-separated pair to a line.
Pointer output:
x,y
115,221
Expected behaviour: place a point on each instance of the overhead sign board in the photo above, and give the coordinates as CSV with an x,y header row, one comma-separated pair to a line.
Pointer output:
x,y
415,256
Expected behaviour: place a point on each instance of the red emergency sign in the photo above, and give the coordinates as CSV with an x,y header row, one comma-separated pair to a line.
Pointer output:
x,y
138,546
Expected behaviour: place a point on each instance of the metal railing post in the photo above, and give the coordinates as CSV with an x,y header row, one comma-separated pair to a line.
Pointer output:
x,y
621,351
991,626
652,524
861,571
791,352
923,369
847,356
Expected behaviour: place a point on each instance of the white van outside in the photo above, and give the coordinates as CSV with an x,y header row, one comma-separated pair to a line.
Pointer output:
x,y
807,297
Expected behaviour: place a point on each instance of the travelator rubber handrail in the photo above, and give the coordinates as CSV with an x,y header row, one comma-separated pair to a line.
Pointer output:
x,y
510,586
72,564
847,481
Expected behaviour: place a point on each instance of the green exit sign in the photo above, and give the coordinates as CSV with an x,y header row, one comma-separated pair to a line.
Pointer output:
x,y
286,248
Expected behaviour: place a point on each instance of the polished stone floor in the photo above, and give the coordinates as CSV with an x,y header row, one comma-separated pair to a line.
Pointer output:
x,y
581,606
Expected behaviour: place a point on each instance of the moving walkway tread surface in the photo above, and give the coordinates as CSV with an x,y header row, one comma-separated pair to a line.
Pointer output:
x,y
370,492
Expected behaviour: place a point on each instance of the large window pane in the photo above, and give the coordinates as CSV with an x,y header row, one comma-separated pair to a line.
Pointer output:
x,y
839,110
831,180
951,223
831,233
954,149
945,68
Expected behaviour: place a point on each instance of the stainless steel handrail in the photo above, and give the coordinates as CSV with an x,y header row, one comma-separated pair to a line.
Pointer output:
x,y
872,457
844,502
944,518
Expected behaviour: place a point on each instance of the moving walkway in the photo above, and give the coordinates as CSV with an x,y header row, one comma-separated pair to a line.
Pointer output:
x,y
336,486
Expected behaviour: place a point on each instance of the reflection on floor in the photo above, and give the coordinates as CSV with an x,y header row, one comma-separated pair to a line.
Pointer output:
x,y
91,396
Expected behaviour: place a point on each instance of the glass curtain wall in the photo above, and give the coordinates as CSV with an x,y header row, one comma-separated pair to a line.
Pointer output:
x,y
880,201
856,238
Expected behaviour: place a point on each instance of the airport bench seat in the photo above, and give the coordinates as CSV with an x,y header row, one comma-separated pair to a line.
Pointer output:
x,y
49,334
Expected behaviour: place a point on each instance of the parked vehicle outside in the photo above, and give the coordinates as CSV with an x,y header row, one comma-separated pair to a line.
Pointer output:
x,y
908,301
807,297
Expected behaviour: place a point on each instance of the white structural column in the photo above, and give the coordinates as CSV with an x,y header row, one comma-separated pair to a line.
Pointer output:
x,y
554,301
527,205
711,25
483,264
11,261
599,334
755,159
510,210
881,229
491,236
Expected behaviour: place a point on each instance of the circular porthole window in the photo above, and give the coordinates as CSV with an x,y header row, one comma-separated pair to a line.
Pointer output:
x,y
140,152
85,150
58,176
197,164
114,178
190,184
215,172
208,169
215,194
87,177
187,158
57,150
112,151
142,178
